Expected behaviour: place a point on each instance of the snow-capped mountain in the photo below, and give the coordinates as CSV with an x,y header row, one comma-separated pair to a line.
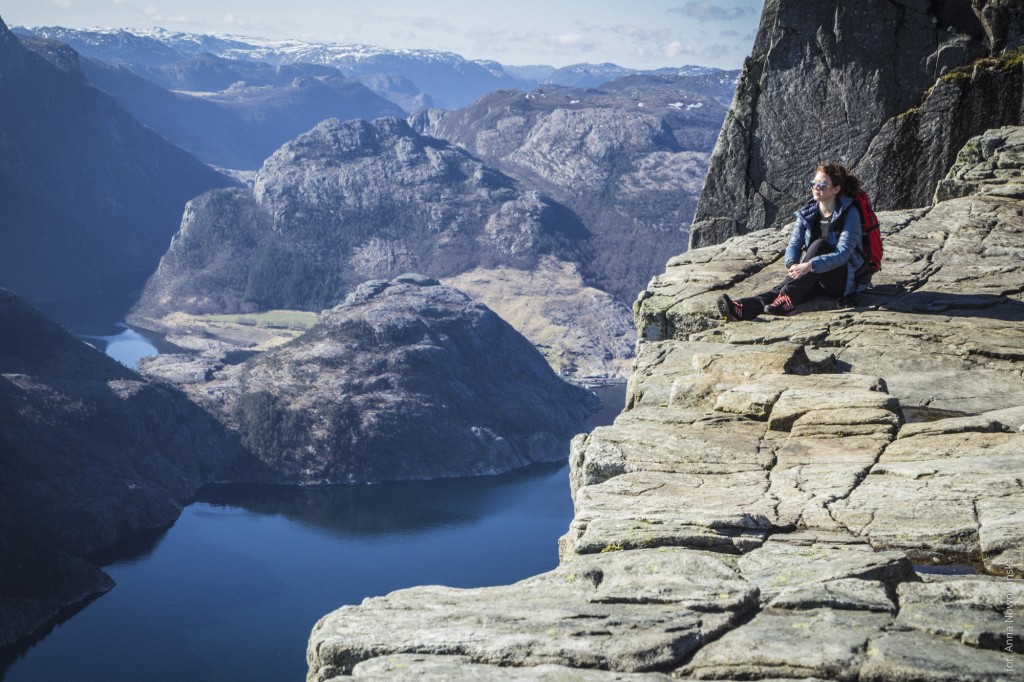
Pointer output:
x,y
446,78
406,77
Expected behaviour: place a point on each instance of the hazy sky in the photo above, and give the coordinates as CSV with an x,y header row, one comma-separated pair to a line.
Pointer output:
x,y
631,33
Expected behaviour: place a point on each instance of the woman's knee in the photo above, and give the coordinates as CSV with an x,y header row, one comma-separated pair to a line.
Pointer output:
x,y
818,247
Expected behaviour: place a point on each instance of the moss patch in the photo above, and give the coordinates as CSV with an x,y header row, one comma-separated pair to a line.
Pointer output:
x,y
1001,62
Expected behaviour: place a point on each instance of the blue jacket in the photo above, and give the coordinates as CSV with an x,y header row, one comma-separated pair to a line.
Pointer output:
x,y
843,234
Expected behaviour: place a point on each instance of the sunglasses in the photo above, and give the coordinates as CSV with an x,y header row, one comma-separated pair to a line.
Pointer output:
x,y
819,185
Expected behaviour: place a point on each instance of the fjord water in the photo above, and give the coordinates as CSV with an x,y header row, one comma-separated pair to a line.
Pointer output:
x,y
232,590
124,344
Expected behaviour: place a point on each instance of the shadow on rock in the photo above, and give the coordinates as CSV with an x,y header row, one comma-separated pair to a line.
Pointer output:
x,y
991,306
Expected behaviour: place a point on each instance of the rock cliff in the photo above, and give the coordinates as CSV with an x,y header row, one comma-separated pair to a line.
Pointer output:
x,y
628,158
891,88
779,498
90,453
405,380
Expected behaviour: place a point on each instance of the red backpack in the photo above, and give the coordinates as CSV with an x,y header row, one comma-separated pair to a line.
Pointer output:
x,y
871,236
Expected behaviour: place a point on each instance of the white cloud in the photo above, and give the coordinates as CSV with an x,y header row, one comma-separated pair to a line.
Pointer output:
x,y
708,11
154,14
676,48
61,3
568,40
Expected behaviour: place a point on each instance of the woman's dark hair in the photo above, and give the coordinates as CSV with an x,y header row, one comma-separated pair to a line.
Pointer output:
x,y
839,176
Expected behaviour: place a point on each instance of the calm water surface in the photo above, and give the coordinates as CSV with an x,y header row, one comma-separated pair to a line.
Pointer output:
x,y
233,589
124,344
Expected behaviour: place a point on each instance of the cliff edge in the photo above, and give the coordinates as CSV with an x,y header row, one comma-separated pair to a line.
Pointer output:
x,y
832,496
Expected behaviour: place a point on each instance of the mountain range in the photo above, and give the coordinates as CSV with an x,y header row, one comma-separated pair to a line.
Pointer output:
x,y
187,61
347,202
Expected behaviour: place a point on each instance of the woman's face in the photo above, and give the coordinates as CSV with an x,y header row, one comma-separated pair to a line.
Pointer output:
x,y
822,187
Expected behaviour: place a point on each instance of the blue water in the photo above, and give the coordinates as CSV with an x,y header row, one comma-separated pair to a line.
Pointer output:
x,y
125,345
233,589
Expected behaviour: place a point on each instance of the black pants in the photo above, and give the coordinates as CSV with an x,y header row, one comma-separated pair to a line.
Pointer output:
x,y
831,283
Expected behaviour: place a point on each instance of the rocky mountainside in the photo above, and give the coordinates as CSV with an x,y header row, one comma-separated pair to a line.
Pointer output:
x,y
345,203
90,453
629,158
780,496
583,332
405,380
893,89
243,122
90,197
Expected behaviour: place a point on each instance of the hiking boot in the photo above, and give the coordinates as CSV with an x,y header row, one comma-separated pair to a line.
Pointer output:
x,y
782,305
730,309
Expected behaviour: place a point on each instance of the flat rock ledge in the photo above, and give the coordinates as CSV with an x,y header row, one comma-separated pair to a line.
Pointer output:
x,y
837,495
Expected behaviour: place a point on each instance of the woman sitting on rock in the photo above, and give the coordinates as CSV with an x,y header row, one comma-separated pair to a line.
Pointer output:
x,y
827,232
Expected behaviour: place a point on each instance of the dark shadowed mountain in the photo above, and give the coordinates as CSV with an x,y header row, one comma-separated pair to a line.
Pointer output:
x,y
90,454
90,198
344,203
629,158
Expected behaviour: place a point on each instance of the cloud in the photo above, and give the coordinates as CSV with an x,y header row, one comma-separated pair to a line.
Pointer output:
x,y
568,40
154,14
640,35
676,48
231,21
707,11
498,43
